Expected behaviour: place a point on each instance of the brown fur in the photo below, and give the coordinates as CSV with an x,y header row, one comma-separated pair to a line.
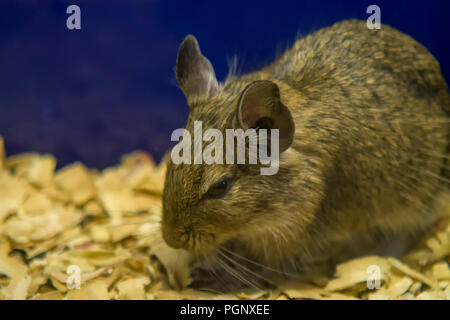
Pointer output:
x,y
371,135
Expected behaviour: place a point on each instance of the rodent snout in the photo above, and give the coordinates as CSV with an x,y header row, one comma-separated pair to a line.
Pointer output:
x,y
173,239
187,238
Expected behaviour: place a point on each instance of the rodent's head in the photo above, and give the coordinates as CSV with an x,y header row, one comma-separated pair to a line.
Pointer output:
x,y
205,205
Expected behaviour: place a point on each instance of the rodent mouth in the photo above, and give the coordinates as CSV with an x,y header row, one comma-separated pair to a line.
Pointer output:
x,y
200,243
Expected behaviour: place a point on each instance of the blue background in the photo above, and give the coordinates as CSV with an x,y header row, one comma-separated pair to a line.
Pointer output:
x,y
107,89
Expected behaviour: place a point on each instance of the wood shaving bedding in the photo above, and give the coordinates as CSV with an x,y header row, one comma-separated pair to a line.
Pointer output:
x,y
77,233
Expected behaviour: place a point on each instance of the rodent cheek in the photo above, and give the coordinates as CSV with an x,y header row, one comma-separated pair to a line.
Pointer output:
x,y
224,219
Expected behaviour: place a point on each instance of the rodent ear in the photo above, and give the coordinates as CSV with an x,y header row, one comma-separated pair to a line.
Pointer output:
x,y
195,73
260,107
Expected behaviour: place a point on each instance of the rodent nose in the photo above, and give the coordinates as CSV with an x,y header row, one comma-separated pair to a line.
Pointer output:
x,y
173,239
173,242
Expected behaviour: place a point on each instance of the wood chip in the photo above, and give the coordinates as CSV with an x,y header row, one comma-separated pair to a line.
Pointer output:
x,y
132,289
42,227
356,271
441,271
41,170
411,272
95,290
17,288
12,193
76,180
399,287
304,291
9,266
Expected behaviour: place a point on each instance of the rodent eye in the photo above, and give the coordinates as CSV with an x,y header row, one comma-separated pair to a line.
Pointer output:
x,y
219,189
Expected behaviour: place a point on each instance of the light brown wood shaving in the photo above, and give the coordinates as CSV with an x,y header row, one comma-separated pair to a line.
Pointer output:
x,y
102,228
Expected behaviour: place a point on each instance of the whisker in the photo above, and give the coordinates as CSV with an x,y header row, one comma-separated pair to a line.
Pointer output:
x,y
236,274
434,154
436,176
243,267
429,120
255,263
